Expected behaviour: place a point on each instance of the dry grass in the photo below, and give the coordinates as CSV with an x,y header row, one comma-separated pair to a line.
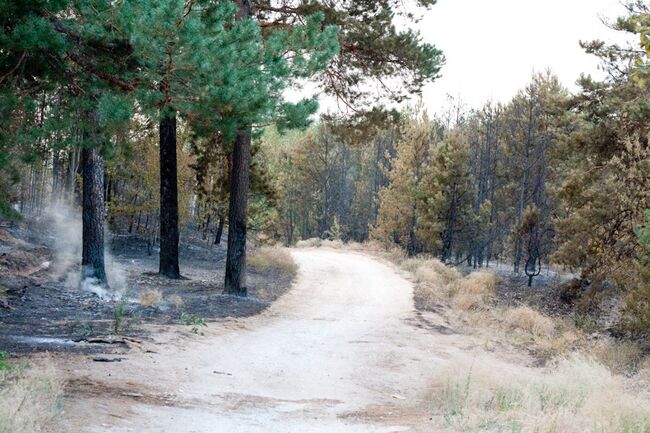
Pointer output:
x,y
175,301
473,292
273,258
29,399
528,320
578,395
150,297
559,344
432,271
309,243
644,373
623,357
318,243
332,243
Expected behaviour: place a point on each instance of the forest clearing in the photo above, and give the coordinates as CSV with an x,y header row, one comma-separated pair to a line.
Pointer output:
x,y
272,216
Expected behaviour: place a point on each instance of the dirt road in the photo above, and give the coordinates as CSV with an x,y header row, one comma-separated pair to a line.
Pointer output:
x,y
342,351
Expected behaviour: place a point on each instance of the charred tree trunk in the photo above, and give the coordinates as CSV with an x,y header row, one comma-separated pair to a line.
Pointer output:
x,y
235,283
92,260
217,237
169,235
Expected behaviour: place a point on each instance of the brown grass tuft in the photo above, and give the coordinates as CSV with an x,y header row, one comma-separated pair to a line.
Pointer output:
x,y
528,320
273,258
473,292
176,301
150,297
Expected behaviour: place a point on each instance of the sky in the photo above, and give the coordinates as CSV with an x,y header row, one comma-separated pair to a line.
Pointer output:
x,y
494,46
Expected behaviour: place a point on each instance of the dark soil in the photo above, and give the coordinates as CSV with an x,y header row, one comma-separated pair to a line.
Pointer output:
x,y
41,311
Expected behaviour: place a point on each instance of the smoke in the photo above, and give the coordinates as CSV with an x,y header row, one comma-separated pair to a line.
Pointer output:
x,y
64,226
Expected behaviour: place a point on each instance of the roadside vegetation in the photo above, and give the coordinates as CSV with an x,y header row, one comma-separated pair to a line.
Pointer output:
x,y
575,380
275,259
577,394
30,396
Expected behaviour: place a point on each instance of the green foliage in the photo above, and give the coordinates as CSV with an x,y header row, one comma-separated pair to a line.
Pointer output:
x,y
374,50
335,231
7,366
604,178
194,321
120,313
4,364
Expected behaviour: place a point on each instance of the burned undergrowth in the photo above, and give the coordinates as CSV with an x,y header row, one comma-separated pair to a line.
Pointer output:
x,y
43,308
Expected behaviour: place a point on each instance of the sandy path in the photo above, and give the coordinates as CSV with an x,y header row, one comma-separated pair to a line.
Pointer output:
x,y
340,345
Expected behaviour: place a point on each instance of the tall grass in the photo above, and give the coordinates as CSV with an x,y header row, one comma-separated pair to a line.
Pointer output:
x,y
579,395
29,397
273,259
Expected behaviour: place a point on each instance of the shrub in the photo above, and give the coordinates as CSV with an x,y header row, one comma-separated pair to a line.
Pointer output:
x,y
431,271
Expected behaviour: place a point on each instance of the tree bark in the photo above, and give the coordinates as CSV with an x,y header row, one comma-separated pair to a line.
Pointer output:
x,y
169,234
235,283
92,260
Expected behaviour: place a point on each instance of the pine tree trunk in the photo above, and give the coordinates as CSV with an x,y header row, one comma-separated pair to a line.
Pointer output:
x,y
217,238
235,283
169,235
92,260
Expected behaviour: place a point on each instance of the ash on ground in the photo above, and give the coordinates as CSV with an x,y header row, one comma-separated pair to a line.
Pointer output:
x,y
43,308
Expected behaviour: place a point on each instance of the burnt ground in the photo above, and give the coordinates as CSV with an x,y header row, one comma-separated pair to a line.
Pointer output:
x,y
544,295
550,294
42,308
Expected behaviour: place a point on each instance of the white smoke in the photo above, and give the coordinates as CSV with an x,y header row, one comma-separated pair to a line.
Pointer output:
x,y
65,226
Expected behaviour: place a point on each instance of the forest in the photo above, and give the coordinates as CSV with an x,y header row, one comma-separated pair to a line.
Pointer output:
x,y
176,169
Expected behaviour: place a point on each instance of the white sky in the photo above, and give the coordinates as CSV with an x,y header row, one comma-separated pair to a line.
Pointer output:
x,y
493,46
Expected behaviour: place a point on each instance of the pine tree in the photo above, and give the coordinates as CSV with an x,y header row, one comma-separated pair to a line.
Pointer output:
x,y
371,48
604,184
399,201
446,211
